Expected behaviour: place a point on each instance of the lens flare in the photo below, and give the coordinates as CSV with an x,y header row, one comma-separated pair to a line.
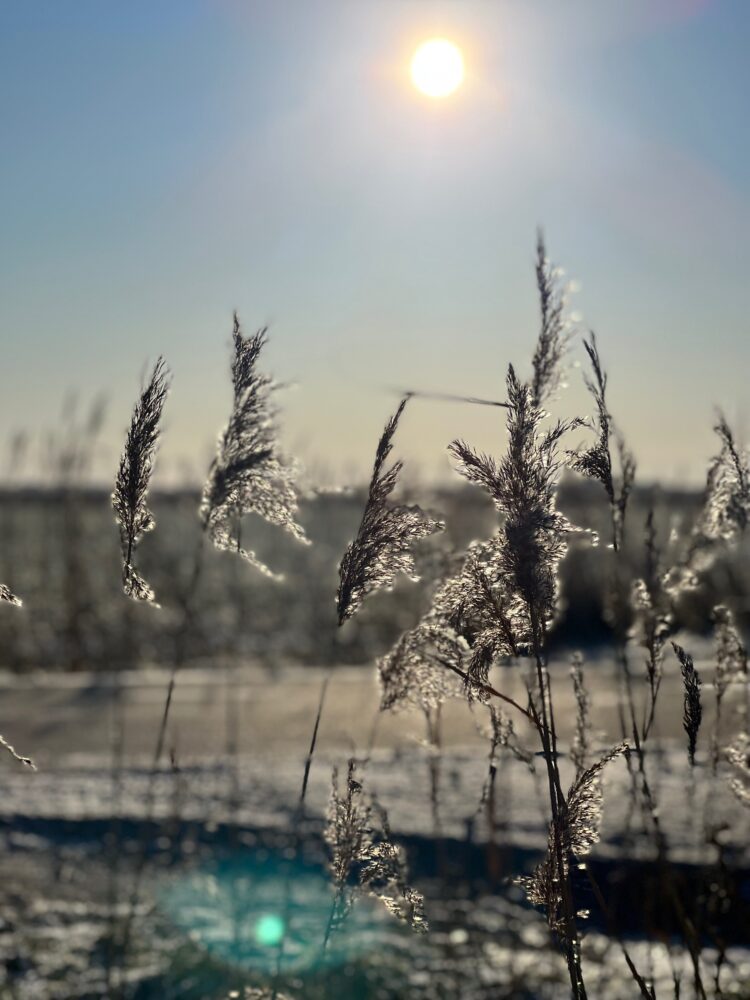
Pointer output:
x,y
269,930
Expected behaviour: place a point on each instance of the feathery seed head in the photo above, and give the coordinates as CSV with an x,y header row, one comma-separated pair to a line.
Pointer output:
x,y
361,846
692,709
555,330
8,597
249,474
387,532
129,499
596,461
577,833
533,536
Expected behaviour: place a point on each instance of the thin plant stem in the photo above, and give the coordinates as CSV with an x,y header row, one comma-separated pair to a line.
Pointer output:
x,y
296,824
180,655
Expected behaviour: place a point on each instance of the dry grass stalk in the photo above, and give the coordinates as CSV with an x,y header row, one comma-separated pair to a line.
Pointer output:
x,y
724,514
653,618
16,756
731,668
510,590
520,571
581,746
692,710
737,755
731,654
578,832
555,331
410,674
386,535
501,735
596,461
362,849
249,473
129,499
727,508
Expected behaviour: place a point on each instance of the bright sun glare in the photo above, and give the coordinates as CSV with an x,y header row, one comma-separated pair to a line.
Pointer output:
x,y
437,68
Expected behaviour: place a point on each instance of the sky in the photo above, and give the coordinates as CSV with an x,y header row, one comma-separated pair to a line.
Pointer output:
x,y
164,163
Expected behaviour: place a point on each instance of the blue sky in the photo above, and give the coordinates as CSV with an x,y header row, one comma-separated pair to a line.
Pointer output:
x,y
166,162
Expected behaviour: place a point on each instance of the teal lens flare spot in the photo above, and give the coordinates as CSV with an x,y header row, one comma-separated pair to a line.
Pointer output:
x,y
269,930
247,908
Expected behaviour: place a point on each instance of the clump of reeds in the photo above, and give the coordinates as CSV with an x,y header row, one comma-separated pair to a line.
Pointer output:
x,y
249,473
387,533
129,499
504,595
497,602
364,857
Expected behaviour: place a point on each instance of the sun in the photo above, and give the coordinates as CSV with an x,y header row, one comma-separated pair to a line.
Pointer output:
x,y
437,67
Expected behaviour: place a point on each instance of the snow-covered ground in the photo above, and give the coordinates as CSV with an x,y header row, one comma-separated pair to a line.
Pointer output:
x,y
57,902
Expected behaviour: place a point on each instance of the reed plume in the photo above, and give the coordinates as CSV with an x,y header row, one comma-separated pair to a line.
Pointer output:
x,y
129,499
727,506
581,747
387,532
488,617
555,330
731,653
576,834
363,853
249,473
737,755
731,667
653,618
692,709
410,675
8,597
596,462
524,558
724,512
